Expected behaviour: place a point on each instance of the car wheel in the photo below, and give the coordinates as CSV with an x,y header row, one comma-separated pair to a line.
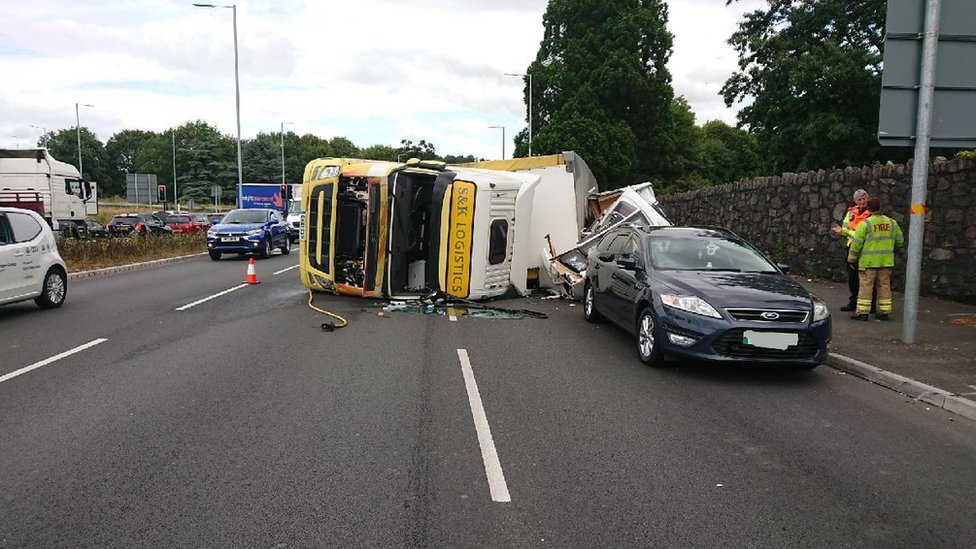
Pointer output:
x,y
647,348
286,247
266,248
54,291
214,255
589,305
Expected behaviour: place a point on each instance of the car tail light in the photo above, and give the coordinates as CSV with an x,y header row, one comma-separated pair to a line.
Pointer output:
x,y
139,226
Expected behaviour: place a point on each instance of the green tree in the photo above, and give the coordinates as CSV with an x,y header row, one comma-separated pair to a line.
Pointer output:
x,y
262,158
343,148
204,158
422,150
380,152
602,70
728,154
63,145
121,151
813,72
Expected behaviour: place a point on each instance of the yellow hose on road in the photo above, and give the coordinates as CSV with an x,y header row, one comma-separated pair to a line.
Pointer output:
x,y
327,326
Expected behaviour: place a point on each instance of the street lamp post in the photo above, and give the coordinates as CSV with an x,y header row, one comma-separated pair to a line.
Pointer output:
x,y
176,197
529,75
81,172
283,151
237,95
503,138
42,128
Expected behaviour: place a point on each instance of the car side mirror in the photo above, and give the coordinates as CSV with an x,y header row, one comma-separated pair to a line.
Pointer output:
x,y
627,262
605,257
784,267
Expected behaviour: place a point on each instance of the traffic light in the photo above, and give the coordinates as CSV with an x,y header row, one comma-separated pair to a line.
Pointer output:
x,y
286,193
161,193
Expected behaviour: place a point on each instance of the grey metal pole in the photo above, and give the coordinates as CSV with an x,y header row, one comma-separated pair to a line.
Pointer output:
x,y
920,170
81,172
237,93
176,196
282,153
530,114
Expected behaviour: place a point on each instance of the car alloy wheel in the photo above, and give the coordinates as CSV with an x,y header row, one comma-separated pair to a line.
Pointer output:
x,y
647,347
589,305
266,248
54,291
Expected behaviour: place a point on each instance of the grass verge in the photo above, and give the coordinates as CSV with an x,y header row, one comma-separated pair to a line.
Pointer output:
x,y
99,253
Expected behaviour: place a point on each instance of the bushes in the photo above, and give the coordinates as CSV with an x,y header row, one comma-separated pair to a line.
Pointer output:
x,y
97,253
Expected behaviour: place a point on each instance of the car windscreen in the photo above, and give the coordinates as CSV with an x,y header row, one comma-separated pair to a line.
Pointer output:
x,y
177,218
295,207
130,221
237,217
705,252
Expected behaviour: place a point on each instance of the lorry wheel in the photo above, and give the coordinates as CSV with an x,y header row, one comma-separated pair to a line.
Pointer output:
x,y
54,291
266,248
215,255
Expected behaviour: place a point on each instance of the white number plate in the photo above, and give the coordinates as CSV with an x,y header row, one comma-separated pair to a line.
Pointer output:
x,y
229,239
769,340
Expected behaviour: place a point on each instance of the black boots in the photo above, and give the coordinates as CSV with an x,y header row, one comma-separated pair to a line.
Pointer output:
x,y
865,318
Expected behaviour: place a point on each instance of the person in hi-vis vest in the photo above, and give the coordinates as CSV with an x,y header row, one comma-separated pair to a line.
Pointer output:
x,y
854,216
873,246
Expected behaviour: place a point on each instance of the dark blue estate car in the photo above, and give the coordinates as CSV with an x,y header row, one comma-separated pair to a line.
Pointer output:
x,y
703,293
244,231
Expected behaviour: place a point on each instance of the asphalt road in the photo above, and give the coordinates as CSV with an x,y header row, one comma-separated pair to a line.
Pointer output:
x,y
237,423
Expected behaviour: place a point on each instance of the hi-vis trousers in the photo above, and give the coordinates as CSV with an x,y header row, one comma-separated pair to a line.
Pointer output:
x,y
868,278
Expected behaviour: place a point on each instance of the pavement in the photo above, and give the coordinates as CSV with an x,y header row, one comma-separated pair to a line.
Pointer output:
x,y
939,368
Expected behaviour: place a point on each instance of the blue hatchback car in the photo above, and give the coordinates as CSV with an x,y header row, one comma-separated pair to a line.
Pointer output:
x,y
242,231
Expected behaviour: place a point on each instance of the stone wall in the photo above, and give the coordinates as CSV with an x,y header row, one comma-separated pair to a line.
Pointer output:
x,y
789,218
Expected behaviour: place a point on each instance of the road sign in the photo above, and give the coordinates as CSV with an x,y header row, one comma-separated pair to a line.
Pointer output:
x,y
953,110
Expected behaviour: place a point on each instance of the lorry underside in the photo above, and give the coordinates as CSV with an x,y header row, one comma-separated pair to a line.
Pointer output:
x,y
395,257
415,231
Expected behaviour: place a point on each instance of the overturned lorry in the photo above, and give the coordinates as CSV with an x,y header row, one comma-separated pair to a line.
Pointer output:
x,y
402,231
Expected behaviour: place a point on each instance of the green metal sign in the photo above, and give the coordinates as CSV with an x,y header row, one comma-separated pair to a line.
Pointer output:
x,y
953,110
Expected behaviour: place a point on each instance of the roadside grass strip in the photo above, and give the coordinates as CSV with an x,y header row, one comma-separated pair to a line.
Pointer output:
x,y
493,467
54,358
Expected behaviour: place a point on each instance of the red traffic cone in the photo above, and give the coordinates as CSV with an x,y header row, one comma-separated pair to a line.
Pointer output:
x,y
251,277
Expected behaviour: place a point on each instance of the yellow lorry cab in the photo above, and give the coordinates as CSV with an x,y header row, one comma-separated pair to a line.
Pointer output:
x,y
392,230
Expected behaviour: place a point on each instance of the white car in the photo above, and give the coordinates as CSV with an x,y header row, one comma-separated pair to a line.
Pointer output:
x,y
30,265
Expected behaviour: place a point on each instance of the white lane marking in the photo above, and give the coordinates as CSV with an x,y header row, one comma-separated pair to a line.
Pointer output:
x,y
493,467
453,318
208,298
54,358
284,270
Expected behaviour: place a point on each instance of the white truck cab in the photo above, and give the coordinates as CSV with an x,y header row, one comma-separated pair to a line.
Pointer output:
x,y
30,265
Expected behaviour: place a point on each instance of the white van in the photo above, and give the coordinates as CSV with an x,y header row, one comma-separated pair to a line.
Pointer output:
x,y
30,265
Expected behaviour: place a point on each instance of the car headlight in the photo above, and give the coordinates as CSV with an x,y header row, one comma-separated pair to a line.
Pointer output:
x,y
255,232
212,233
690,303
820,310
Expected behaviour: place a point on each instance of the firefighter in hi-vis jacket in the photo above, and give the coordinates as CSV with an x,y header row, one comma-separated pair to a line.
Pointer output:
x,y
872,251
854,216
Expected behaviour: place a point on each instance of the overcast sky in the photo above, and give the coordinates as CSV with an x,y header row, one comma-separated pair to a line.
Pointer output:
x,y
374,71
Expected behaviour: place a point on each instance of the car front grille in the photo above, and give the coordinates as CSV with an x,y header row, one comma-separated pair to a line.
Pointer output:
x,y
757,315
730,345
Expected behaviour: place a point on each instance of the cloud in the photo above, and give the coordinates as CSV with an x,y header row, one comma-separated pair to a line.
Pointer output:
x,y
375,71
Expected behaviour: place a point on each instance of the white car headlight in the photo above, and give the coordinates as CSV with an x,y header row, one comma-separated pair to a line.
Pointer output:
x,y
255,232
820,310
211,233
690,303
